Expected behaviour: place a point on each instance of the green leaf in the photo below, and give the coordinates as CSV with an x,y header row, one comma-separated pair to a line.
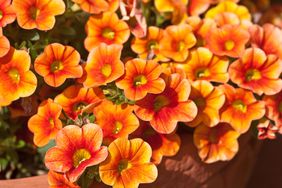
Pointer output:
x,y
3,164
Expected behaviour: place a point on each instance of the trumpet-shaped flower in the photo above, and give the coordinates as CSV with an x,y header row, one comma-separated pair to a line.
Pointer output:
x,y
105,28
103,65
57,63
217,143
266,130
75,99
149,44
128,164
229,40
39,14
46,123
16,80
273,105
209,100
93,7
257,72
141,77
241,108
7,13
76,149
115,120
177,41
203,65
164,110
58,180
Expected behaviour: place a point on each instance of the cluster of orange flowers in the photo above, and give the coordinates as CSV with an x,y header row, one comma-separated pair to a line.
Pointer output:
x,y
210,68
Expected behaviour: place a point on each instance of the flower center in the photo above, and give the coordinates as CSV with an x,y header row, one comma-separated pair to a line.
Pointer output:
x,y
57,66
79,106
253,74
123,165
181,46
160,102
52,123
239,105
213,137
200,102
140,80
34,12
117,127
152,45
202,73
229,45
79,156
1,14
106,70
14,75
108,33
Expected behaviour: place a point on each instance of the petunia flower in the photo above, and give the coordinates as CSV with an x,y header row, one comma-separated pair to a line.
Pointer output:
x,y
57,63
149,44
115,120
75,99
266,130
164,110
141,77
203,65
4,44
93,7
268,38
76,149
217,143
16,80
7,13
128,164
257,72
58,180
39,14
177,41
209,100
273,106
46,123
105,28
241,108
229,40
103,65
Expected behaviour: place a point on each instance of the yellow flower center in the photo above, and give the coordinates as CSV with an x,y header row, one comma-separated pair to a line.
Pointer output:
x,y
117,127
56,66
152,45
202,73
280,107
52,123
229,45
14,75
123,165
79,156
140,80
181,46
106,70
79,106
34,12
239,105
213,137
200,102
108,33
1,14
253,74
160,102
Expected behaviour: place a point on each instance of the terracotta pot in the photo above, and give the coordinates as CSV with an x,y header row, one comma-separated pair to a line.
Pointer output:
x,y
185,170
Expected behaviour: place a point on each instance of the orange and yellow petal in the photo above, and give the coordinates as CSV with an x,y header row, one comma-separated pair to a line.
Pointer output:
x,y
93,7
8,14
58,180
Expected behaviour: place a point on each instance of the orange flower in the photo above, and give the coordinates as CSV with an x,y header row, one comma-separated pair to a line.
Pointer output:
x,y
75,99
7,13
39,14
115,120
218,143
141,77
77,148
4,44
105,28
208,100
274,107
57,180
203,65
228,12
241,108
164,110
128,164
266,130
197,7
177,41
161,144
16,80
149,44
229,40
257,72
57,63
94,7
103,65
268,38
